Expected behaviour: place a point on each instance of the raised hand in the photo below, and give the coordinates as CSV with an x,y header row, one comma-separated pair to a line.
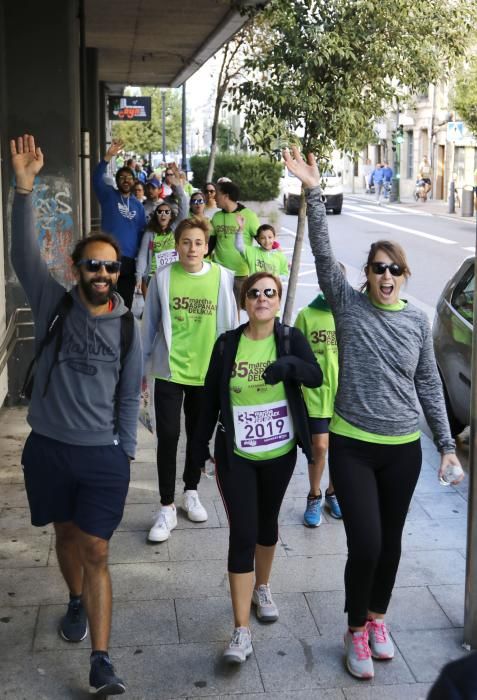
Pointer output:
x,y
307,172
175,180
27,161
116,146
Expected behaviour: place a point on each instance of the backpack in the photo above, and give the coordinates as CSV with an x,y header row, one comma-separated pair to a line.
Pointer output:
x,y
55,330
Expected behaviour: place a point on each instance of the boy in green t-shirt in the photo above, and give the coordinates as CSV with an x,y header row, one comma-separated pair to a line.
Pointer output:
x,y
318,326
264,257
188,305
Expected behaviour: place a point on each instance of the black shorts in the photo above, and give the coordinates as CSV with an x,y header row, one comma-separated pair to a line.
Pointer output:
x,y
87,485
318,426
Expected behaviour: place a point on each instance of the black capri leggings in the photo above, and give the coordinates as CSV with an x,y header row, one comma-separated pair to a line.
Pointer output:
x,y
252,492
374,485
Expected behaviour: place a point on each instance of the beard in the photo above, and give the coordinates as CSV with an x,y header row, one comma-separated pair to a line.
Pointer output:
x,y
93,295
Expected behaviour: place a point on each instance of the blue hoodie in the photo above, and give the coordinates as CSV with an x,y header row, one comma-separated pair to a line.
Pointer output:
x,y
81,406
122,217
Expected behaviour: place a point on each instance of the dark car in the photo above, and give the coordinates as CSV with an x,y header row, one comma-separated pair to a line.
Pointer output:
x,y
452,334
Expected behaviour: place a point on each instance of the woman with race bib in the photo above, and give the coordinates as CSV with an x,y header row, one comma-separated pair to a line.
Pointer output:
x,y
252,388
158,246
386,369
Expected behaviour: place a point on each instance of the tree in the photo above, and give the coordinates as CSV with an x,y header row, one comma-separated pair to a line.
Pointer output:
x,y
465,98
144,137
327,69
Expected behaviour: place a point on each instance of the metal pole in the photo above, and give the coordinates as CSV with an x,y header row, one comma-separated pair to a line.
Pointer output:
x,y
163,97
451,200
184,129
470,608
85,145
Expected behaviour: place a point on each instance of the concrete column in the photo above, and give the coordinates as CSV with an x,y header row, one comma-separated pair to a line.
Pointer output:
x,y
40,90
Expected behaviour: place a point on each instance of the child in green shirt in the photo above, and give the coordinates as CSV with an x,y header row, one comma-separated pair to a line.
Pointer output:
x,y
265,257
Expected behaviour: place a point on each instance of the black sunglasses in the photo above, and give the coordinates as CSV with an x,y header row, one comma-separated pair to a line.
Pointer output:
x,y
379,268
169,174
95,265
197,201
254,293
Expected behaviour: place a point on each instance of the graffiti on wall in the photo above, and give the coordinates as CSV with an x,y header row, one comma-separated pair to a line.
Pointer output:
x,y
53,206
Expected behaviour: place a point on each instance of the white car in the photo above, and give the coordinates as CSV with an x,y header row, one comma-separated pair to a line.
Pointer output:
x,y
290,188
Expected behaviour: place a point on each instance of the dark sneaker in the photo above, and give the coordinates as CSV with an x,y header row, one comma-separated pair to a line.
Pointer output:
x,y
74,626
102,678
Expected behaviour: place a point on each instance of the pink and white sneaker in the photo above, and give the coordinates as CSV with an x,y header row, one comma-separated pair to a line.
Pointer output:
x,y
380,642
358,654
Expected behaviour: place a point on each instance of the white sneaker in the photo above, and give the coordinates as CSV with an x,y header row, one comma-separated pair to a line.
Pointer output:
x,y
240,646
358,654
193,507
380,642
265,607
165,521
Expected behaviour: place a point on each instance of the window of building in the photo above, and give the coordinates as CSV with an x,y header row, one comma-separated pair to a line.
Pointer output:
x,y
410,154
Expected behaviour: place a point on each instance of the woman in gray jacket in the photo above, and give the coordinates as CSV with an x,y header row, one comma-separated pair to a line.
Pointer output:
x,y
387,368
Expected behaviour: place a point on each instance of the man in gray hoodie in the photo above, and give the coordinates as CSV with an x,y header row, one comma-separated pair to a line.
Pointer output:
x,y
83,415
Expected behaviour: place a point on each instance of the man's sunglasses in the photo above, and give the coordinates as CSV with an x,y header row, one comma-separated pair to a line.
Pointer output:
x,y
197,201
254,293
92,265
379,268
163,212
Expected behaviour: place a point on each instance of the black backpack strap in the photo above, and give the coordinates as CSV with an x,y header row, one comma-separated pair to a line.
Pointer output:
x,y
127,335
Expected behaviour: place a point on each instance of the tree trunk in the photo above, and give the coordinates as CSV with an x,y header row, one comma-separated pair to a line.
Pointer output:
x,y
295,266
213,134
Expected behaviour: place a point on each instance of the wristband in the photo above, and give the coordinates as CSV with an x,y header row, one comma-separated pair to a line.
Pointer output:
x,y
23,190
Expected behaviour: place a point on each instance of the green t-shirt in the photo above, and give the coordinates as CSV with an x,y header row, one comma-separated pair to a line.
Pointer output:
x,y
260,260
262,421
163,250
193,308
318,326
224,227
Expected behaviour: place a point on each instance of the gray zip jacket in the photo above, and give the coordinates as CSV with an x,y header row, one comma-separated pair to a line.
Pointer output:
x,y
386,358
87,402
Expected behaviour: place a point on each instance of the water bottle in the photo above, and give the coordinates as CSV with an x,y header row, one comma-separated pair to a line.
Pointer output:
x,y
451,473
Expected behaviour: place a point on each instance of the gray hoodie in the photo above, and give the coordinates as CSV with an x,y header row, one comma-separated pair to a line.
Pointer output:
x,y
81,406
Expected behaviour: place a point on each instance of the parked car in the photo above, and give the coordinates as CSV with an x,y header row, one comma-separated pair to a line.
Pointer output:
x,y
290,187
452,335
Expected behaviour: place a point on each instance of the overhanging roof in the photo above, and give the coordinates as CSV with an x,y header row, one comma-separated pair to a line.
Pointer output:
x,y
142,42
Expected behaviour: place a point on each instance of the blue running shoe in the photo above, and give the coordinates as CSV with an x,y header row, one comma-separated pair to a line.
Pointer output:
x,y
103,680
312,516
333,505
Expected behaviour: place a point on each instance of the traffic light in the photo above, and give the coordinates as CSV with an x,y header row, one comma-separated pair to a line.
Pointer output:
x,y
400,134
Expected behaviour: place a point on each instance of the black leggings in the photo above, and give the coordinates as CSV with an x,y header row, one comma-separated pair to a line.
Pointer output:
x,y
374,485
252,492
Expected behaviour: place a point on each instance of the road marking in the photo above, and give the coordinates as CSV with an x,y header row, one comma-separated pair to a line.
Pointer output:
x,y
288,230
413,231
307,272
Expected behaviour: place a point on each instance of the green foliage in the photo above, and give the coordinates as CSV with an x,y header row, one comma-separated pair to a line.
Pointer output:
x,y
465,99
226,138
257,176
142,137
327,69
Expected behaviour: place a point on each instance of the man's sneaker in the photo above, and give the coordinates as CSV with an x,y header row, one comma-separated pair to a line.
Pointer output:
x,y
380,642
358,654
73,626
193,507
333,505
103,679
312,516
240,646
265,608
166,520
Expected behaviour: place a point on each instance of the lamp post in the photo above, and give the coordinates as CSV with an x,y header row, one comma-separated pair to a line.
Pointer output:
x,y
163,98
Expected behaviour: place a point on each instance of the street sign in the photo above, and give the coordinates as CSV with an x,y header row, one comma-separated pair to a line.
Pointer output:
x,y
455,131
129,109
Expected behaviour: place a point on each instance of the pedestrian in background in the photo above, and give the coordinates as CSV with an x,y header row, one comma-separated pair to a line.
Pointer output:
x,y
387,368
253,388
378,181
367,171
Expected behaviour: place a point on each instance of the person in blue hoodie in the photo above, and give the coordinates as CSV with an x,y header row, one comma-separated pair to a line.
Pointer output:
x,y
123,216
378,181
83,414
388,176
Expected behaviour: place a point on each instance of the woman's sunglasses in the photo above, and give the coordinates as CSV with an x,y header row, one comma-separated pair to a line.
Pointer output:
x,y
197,201
254,293
164,212
92,265
379,268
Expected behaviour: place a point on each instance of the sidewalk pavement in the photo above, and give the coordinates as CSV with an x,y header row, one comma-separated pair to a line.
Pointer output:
x,y
172,613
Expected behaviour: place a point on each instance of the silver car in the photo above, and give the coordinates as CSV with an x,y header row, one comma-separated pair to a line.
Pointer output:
x,y
452,334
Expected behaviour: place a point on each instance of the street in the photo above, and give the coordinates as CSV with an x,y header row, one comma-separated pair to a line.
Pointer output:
x,y
435,245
